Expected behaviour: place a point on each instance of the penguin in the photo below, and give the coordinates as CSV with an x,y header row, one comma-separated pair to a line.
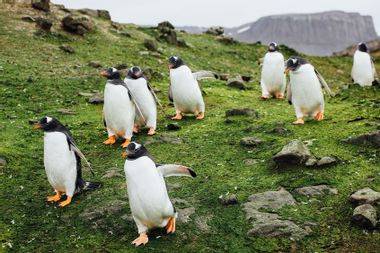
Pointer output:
x,y
145,98
148,197
119,108
363,70
184,90
304,90
62,161
273,79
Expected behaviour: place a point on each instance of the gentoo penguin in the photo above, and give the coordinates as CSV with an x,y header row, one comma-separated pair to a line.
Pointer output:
x,y
273,79
62,160
145,98
184,90
148,197
304,89
363,70
119,108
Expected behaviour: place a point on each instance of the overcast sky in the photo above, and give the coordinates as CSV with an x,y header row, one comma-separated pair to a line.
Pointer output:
x,y
226,13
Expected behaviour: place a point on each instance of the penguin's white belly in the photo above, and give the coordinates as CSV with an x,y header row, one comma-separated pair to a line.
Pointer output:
x,y
148,197
362,71
187,96
272,72
144,100
59,161
119,111
306,90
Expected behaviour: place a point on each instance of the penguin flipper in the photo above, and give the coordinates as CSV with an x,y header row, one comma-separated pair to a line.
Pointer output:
x,y
323,82
169,170
204,74
170,94
289,94
79,153
153,94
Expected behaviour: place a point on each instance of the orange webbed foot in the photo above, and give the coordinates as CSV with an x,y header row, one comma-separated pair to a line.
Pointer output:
x,y
151,131
56,197
142,239
319,116
299,121
66,202
126,143
279,96
170,227
264,97
201,115
178,116
135,129
111,140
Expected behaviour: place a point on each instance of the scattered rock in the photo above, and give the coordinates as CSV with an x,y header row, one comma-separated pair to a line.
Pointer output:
x,y
365,216
250,162
228,199
246,78
311,162
312,191
125,34
327,161
77,25
96,99
365,196
250,141
365,139
236,82
184,214
116,25
67,49
121,66
225,39
279,128
202,221
183,43
104,14
112,172
43,5
215,31
28,19
95,64
271,200
173,126
224,77
293,153
43,23
242,112
3,162
167,33
165,25
86,94
66,111
151,45
164,138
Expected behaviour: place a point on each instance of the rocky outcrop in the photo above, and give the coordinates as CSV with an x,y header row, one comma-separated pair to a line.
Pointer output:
x,y
365,216
373,47
77,25
314,34
43,5
365,139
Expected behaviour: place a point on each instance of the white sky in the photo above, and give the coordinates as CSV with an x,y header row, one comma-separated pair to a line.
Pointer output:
x,y
227,13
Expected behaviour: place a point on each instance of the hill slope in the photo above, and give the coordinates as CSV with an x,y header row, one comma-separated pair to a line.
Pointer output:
x,y
38,79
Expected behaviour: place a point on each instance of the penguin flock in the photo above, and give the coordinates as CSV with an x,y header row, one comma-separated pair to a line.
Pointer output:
x,y
131,104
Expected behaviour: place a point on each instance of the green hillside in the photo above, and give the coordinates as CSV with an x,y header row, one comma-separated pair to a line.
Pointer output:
x,y
37,79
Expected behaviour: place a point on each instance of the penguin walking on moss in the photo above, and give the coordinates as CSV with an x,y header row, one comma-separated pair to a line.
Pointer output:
x,y
145,98
119,108
304,90
273,79
148,197
62,160
363,69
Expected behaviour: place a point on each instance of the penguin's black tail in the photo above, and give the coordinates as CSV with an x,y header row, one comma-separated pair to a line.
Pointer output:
x,y
91,185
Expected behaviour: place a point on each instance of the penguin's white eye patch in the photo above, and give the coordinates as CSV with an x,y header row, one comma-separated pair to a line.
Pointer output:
x,y
114,70
294,61
137,145
48,119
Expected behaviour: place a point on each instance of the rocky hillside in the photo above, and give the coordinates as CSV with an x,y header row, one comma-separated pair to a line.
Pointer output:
x,y
313,34
262,185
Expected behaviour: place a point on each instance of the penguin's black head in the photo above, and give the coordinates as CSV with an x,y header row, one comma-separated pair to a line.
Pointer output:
x,y
362,47
135,73
294,63
111,74
273,47
135,150
175,62
48,124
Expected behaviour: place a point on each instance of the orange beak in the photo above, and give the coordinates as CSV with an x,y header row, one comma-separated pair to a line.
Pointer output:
x,y
124,155
286,71
104,74
36,127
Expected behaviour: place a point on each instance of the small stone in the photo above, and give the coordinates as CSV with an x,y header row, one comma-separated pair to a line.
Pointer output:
x,y
271,200
311,161
215,31
173,126
95,64
66,111
67,49
228,199
28,19
225,39
327,161
121,66
151,45
293,153
250,141
96,99
112,172
246,78
365,216
77,25
312,191
236,82
365,196
104,14
3,162
86,94
242,112
43,23
250,162
224,77
43,5
372,138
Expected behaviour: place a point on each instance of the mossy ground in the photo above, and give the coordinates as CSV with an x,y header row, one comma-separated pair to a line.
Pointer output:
x,y
37,79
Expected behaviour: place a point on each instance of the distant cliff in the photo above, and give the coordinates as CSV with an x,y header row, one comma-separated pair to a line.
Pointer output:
x,y
314,34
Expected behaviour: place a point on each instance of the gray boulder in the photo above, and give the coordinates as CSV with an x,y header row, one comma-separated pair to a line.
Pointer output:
x,y
43,5
151,45
236,82
225,39
44,24
77,25
228,199
293,153
372,139
250,141
67,49
271,200
215,31
327,161
104,14
365,196
96,99
316,190
365,216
